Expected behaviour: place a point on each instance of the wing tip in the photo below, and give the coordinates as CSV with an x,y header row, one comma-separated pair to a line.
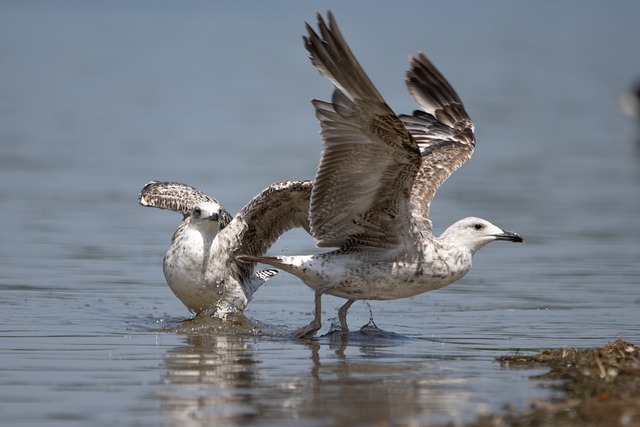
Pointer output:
x,y
143,192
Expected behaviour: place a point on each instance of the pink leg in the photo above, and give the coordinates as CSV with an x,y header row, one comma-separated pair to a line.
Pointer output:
x,y
342,315
315,325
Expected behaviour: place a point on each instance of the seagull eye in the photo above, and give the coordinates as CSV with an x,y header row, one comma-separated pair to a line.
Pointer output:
x,y
478,226
197,212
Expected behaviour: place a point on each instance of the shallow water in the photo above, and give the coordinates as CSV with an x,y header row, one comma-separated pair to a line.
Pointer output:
x,y
98,99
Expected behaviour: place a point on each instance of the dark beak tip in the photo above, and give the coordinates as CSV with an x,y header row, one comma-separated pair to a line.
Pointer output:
x,y
511,237
515,237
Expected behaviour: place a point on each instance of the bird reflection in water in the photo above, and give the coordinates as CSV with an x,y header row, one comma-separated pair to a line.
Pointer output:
x,y
240,380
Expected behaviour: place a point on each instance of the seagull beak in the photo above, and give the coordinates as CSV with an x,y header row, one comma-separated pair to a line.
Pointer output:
x,y
509,236
214,217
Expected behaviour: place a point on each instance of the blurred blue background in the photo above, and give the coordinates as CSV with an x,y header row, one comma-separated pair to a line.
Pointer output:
x,y
97,98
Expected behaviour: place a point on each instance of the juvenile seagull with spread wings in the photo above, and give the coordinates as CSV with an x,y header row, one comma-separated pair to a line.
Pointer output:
x,y
375,182
200,266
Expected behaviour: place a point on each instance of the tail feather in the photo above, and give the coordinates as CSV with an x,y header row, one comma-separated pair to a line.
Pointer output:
x,y
266,274
251,286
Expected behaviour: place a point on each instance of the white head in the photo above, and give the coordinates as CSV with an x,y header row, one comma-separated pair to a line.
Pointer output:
x,y
205,217
474,233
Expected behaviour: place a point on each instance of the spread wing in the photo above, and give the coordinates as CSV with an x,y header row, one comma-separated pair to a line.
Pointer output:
x,y
442,129
278,208
178,197
363,184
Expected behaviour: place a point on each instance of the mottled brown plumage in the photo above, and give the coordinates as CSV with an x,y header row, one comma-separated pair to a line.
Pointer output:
x,y
200,266
377,176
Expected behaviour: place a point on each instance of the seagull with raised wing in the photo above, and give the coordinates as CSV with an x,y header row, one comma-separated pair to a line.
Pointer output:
x,y
200,266
373,188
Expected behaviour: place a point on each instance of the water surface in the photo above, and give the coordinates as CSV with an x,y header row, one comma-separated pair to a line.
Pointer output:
x,y
96,99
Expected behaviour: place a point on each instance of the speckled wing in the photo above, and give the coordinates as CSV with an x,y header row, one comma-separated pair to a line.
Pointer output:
x,y
278,208
369,162
177,197
442,129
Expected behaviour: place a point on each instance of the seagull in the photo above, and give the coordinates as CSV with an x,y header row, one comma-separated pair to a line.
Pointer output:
x,y
630,102
200,266
373,188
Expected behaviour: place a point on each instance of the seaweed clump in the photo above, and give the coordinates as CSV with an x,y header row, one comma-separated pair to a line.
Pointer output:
x,y
600,386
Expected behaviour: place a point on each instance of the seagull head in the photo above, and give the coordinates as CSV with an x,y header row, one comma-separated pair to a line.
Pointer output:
x,y
205,217
474,233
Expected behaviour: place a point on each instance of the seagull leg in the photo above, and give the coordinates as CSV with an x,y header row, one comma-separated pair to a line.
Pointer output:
x,y
315,325
342,315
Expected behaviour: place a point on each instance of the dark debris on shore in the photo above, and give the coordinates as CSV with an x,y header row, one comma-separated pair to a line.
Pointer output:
x,y
600,387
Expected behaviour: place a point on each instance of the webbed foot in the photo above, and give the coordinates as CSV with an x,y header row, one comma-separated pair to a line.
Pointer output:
x,y
307,331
